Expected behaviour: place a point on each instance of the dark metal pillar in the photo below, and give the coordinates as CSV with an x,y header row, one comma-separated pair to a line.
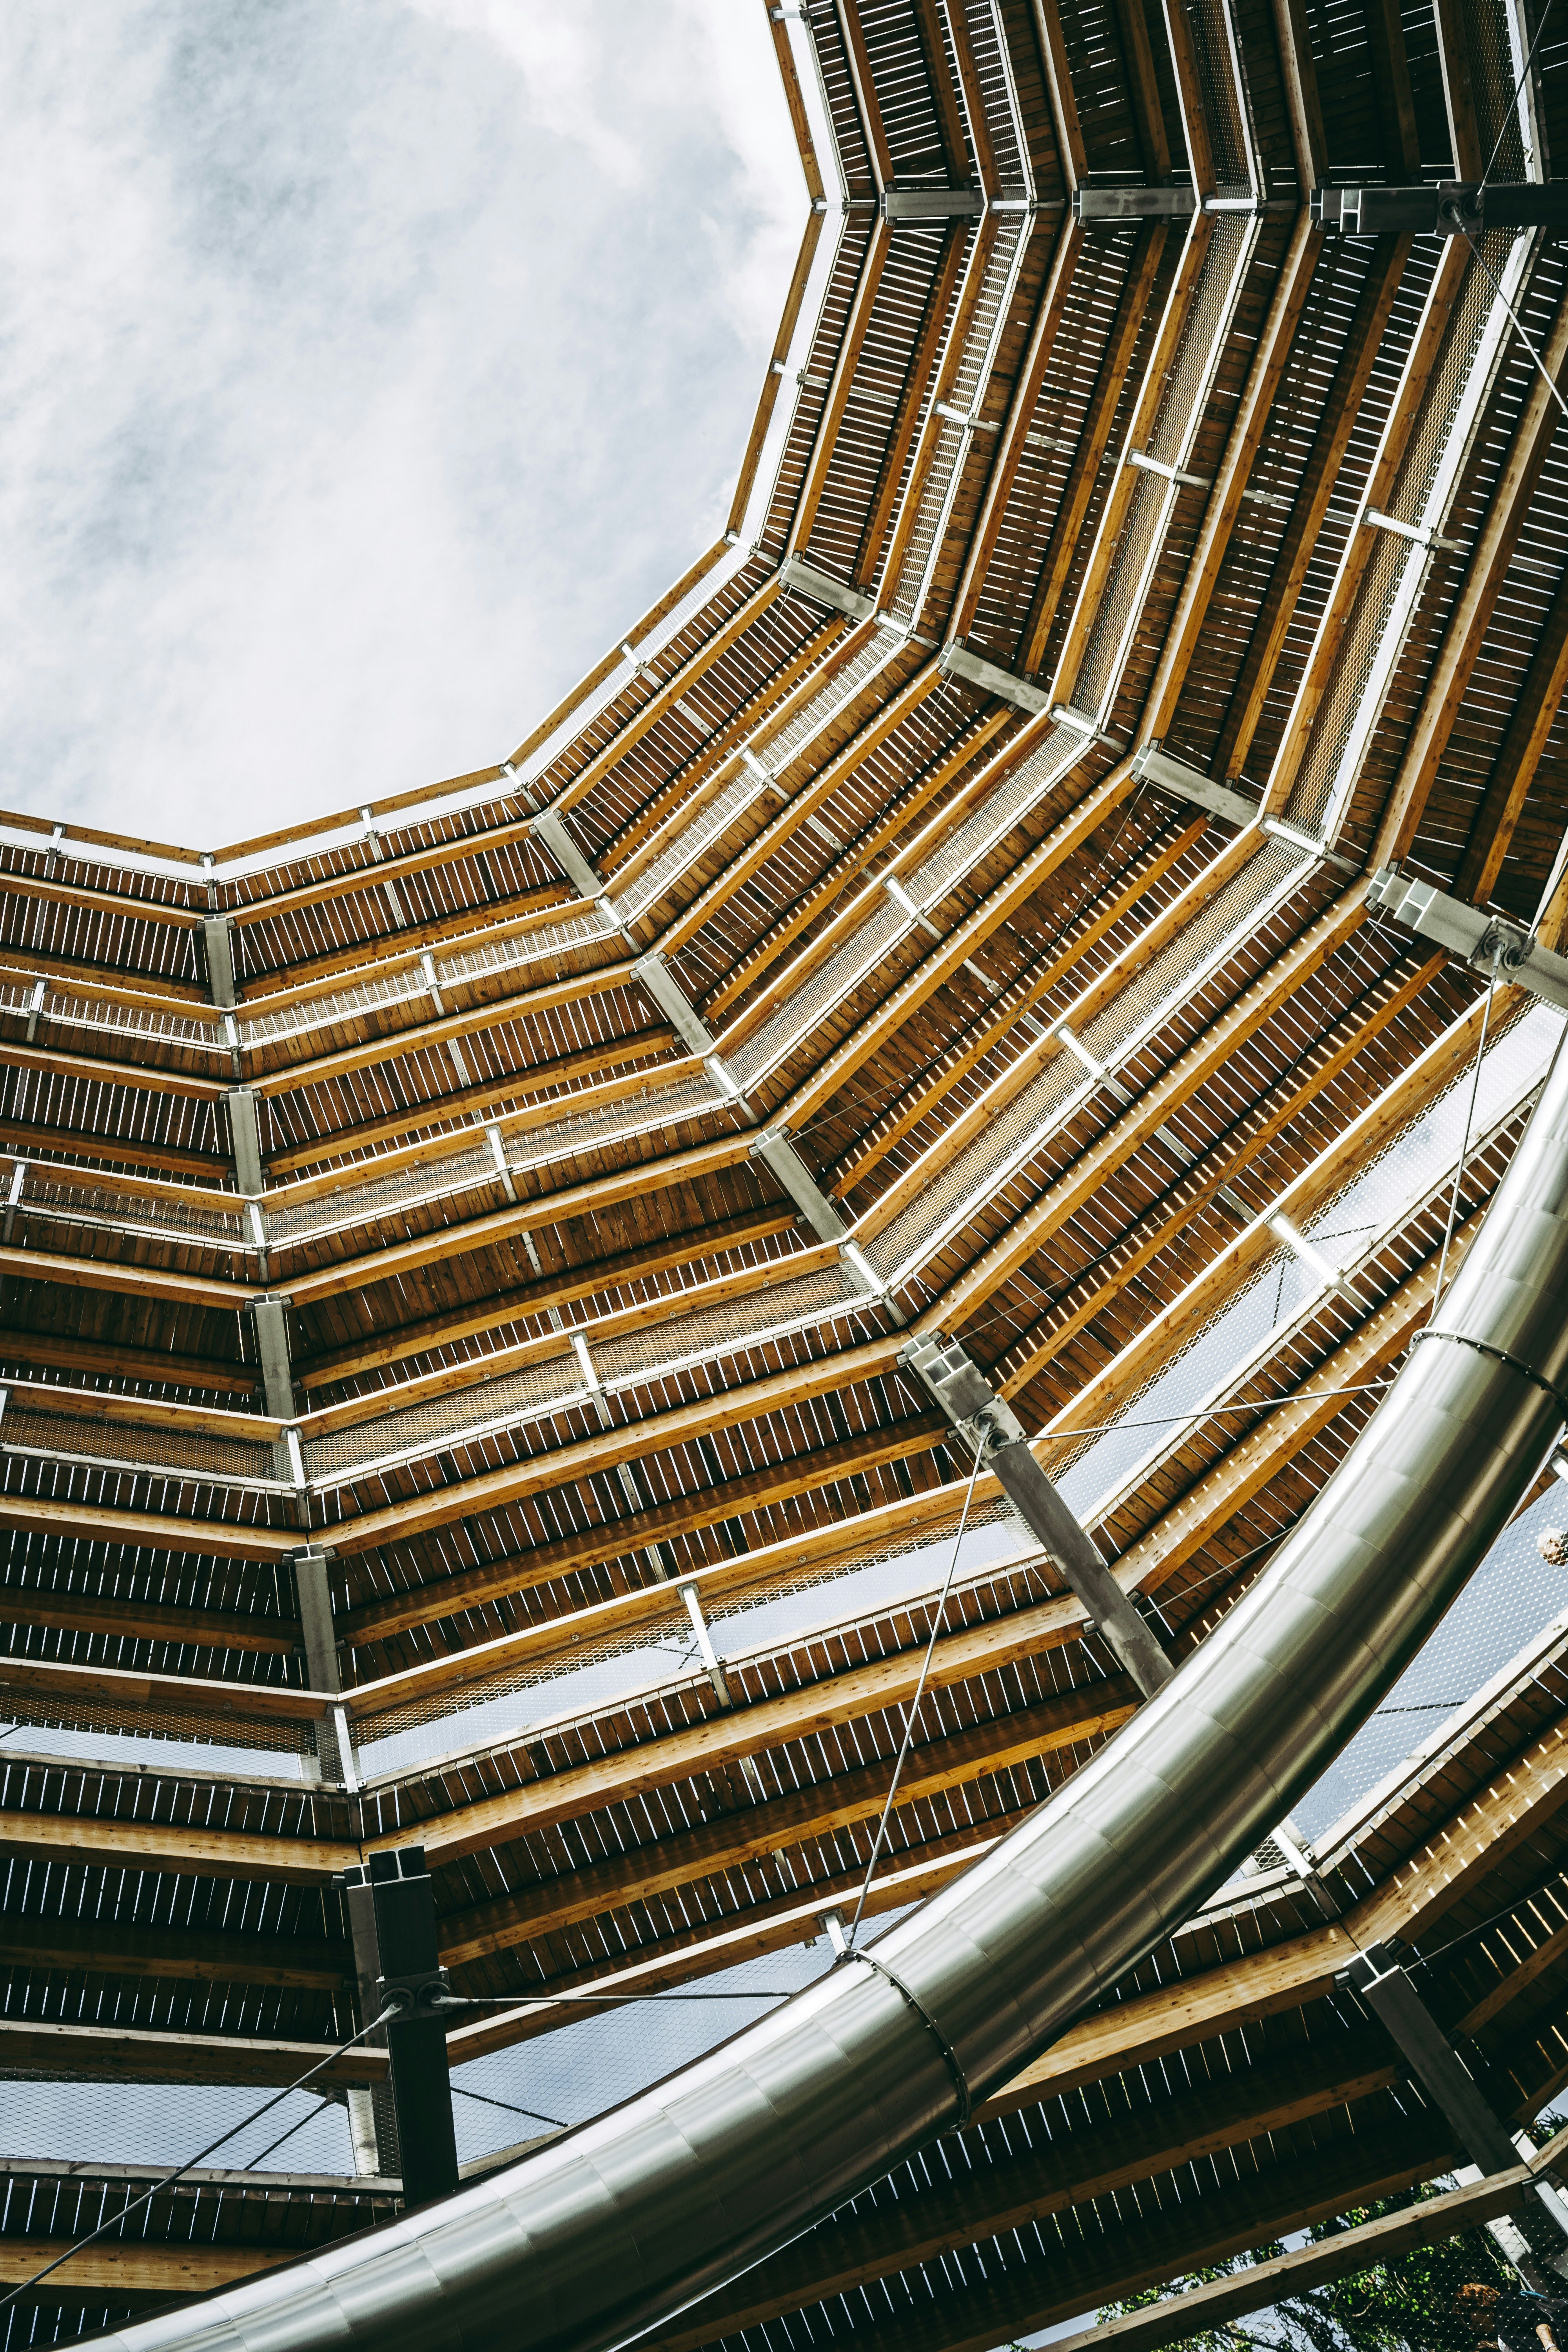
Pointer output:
x,y
1539,2237
392,1913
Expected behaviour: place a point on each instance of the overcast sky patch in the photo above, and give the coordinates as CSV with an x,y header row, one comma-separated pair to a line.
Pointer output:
x,y
365,370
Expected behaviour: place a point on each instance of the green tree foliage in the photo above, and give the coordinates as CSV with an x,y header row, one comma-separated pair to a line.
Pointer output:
x,y
1447,2297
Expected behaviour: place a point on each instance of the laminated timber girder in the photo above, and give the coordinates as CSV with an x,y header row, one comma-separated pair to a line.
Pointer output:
x,y
848,838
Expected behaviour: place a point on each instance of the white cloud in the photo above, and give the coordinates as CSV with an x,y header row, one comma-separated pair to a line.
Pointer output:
x,y
364,370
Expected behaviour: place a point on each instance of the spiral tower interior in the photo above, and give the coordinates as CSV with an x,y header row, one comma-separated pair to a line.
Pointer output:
x,y
1077,868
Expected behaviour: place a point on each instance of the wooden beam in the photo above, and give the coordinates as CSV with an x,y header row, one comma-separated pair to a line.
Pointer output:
x,y
546,996
1106,1392
1143,86
1064,101
1173,321
150,1530
1444,692
89,1070
1061,553
439,1603
1392,90
774,376
1064,2173
1300,76
944,958
573,1282
183,1848
1035,1347
1129,1133
800,804
1369,2245
816,1811
664,697
948,121
113,1948
397,1259
606,666
865,88
964,1055
166,1369
123,1691
973,103
468,1102
907,417
1453,57
143,1282
624,1776
1164,926
857,327
1014,434
858,856
1305,522
148,1621
1421,361
1275,342
1507,786
135,2266
128,2054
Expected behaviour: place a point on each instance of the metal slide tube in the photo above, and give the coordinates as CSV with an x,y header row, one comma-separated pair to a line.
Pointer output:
x,y
620,2223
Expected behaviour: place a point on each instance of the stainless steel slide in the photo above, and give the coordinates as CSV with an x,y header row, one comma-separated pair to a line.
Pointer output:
x,y
616,2225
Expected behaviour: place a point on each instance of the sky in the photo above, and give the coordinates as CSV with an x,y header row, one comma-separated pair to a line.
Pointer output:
x,y
366,368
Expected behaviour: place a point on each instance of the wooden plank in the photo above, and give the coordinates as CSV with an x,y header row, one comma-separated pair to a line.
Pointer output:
x,y
1507,786
493,1489
927,680
1274,343
973,103
377,1053
855,328
1305,522
734,1840
157,1365
937,968
1444,692
1012,439
210,1539
1366,2246
1134,1127
664,697
136,2266
130,2054
767,401
184,1849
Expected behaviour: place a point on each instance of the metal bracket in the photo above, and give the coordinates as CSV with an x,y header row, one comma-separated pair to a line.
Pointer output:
x,y
808,581
1153,765
550,832
965,1394
917,207
1470,935
957,661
